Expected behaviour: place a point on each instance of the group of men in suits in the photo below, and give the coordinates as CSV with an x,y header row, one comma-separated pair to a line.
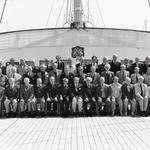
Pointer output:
x,y
109,88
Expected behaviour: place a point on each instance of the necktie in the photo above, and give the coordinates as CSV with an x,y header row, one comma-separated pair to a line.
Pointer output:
x,y
107,77
136,78
142,94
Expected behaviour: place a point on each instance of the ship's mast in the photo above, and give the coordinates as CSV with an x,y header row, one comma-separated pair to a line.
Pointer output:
x,y
78,13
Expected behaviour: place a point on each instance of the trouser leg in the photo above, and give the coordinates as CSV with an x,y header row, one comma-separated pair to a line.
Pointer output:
x,y
14,102
80,104
113,105
7,105
74,104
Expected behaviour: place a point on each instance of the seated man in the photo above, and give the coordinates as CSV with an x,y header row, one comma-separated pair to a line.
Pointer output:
x,y
26,96
77,96
65,93
89,95
2,96
11,97
128,96
102,94
141,93
39,100
116,96
52,95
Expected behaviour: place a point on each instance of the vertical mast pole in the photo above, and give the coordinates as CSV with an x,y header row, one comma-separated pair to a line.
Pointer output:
x,y
78,13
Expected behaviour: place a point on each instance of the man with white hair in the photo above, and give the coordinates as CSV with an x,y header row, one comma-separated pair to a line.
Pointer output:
x,y
108,75
141,93
26,96
77,96
89,97
11,97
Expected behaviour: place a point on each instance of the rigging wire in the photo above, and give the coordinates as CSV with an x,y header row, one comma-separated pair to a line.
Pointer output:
x,y
149,3
50,12
100,13
90,13
60,13
4,7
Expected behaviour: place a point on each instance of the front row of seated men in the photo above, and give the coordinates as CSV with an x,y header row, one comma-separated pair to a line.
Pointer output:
x,y
66,99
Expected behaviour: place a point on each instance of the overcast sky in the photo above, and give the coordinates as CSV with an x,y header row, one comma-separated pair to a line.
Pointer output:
x,y
30,14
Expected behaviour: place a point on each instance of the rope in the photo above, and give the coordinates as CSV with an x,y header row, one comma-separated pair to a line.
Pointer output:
x,y
100,12
60,13
3,11
149,3
49,14
90,13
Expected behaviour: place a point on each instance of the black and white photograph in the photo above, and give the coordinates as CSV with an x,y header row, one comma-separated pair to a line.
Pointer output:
x,y
74,74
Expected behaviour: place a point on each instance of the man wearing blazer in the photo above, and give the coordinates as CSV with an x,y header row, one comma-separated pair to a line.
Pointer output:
x,y
128,96
135,76
122,74
108,75
52,95
26,96
11,97
102,94
94,75
77,96
141,93
89,96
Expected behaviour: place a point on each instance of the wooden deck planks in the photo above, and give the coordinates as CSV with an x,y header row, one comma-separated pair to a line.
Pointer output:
x,y
87,133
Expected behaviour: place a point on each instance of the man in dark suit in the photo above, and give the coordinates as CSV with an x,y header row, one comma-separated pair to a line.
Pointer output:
x,y
26,96
136,64
11,97
128,96
89,97
60,64
93,63
64,97
77,96
67,74
102,94
101,67
108,75
115,65
39,93
52,95
55,72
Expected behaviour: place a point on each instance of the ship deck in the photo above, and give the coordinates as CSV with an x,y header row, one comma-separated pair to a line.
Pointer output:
x,y
87,133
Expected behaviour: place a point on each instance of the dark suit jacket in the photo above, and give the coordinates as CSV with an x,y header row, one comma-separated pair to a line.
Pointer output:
x,y
52,92
12,93
101,68
64,92
32,78
89,92
109,79
127,93
39,92
77,91
106,88
114,67
26,92
135,65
